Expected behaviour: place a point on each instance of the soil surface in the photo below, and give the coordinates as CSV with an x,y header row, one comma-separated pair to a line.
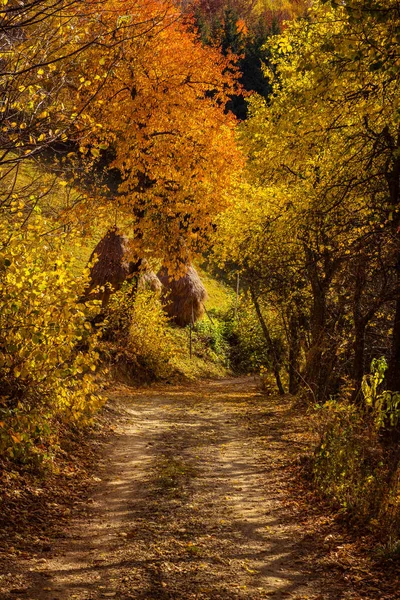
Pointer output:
x,y
193,499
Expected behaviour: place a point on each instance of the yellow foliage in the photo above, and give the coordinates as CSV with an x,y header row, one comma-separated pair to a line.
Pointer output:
x,y
150,339
129,89
47,355
142,342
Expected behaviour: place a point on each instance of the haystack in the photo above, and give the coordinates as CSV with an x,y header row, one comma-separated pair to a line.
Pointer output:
x,y
112,266
148,280
183,298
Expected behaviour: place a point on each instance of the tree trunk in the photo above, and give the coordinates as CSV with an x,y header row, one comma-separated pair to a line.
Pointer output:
x,y
358,359
359,328
270,344
393,182
314,355
294,355
393,376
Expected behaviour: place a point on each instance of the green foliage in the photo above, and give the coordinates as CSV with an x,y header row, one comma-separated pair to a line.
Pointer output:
x,y
346,467
371,383
200,364
249,352
385,404
355,470
354,464
211,340
145,345
230,335
47,346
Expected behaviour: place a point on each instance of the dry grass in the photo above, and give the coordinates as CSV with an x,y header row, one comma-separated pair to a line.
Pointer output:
x,y
112,266
184,298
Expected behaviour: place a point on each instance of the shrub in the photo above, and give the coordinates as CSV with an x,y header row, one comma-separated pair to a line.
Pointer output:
x,y
248,347
138,333
150,338
142,343
349,462
211,339
356,468
47,355
384,404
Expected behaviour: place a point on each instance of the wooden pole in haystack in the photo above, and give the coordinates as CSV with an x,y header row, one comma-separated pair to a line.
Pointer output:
x,y
191,332
208,315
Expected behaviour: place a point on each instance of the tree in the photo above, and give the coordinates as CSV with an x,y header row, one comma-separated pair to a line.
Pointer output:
x,y
325,148
161,116
122,87
242,27
108,110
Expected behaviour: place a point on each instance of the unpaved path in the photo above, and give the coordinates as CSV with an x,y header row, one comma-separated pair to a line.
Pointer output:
x,y
191,503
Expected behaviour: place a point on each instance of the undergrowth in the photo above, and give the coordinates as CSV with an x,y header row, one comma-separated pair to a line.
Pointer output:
x,y
141,344
48,354
356,466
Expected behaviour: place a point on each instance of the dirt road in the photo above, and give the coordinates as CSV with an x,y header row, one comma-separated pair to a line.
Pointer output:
x,y
191,502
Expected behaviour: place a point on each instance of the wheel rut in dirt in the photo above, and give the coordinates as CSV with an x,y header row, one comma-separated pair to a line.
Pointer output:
x,y
190,504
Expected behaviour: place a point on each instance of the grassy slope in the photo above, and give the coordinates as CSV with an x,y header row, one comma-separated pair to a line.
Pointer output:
x,y
204,361
52,196
220,296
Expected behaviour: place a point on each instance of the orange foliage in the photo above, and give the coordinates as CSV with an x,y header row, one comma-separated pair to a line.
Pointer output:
x,y
127,83
160,108
241,27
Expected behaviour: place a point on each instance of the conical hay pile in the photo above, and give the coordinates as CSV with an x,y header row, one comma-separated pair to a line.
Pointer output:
x,y
183,298
112,266
148,280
